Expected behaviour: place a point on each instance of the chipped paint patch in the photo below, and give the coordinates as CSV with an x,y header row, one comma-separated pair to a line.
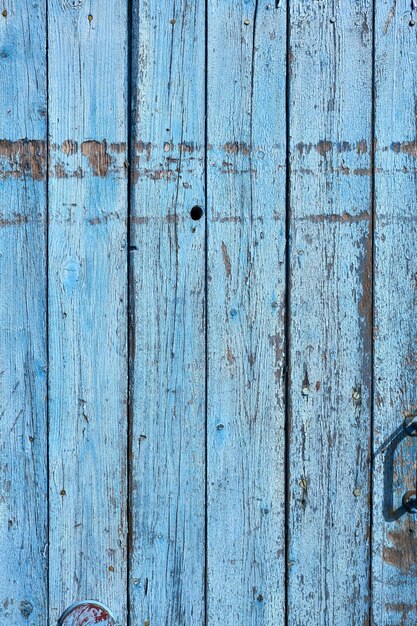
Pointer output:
x,y
98,157
324,146
226,260
343,218
170,218
171,161
404,608
28,158
25,157
17,220
236,147
365,300
390,17
69,147
402,553
406,147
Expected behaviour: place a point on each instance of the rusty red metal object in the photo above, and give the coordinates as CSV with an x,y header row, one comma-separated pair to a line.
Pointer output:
x,y
87,613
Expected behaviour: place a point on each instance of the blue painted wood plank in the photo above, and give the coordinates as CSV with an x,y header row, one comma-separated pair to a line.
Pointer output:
x,y
168,315
23,453
395,453
246,282
330,312
88,303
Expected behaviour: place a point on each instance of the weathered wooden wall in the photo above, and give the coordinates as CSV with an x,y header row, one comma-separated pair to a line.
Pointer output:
x,y
207,311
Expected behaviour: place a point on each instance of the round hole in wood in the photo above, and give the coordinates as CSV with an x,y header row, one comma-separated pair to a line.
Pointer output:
x,y
196,213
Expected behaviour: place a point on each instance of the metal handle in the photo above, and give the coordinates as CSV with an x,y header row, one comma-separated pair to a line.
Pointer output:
x,y
410,497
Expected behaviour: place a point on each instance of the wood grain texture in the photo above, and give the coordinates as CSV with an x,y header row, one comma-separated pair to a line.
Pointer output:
x,y
395,453
23,453
223,425
246,283
88,303
330,312
168,316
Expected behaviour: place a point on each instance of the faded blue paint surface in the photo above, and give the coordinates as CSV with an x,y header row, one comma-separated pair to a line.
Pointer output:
x,y
87,304
246,115
167,321
23,304
330,312
395,453
207,312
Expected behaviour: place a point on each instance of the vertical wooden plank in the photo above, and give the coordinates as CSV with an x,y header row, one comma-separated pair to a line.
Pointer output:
x,y
246,284
395,453
331,312
87,303
23,479
168,321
